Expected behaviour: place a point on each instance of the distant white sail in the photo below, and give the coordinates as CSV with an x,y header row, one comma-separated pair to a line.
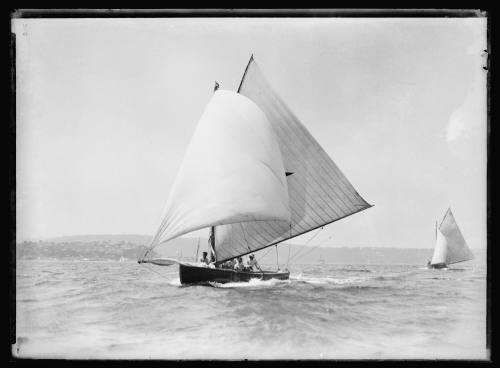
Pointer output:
x,y
319,192
232,171
458,251
440,250
452,248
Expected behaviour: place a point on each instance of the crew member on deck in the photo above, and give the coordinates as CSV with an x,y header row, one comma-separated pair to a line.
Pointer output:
x,y
239,266
229,264
251,263
204,259
211,264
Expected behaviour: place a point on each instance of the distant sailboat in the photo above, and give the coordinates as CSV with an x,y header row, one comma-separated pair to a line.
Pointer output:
x,y
255,177
450,244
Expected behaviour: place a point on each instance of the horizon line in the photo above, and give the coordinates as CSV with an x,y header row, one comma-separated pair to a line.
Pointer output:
x,y
48,238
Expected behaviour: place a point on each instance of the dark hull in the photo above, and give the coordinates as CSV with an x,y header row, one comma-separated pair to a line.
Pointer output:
x,y
437,265
203,275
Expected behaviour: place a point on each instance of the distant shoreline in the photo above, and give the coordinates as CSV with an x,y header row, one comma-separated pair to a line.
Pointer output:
x,y
129,248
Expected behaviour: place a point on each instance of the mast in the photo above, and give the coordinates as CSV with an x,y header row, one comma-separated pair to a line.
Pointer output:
x,y
436,231
197,249
212,243
212,228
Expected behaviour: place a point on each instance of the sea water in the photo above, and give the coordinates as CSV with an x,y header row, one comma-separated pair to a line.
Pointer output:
x,y
123,310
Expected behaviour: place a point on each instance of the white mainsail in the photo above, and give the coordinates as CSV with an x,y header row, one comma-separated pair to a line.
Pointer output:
x,y
319,192
450,244
232,171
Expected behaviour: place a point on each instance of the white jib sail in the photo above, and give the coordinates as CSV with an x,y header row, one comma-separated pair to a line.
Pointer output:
x,y
458,251
232,171
440,250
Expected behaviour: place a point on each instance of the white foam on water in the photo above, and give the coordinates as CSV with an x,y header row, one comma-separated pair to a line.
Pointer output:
x,y
175,282
328,280
253,283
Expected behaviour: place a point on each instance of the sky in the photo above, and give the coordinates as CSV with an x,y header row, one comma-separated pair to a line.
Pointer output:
x,y
106,108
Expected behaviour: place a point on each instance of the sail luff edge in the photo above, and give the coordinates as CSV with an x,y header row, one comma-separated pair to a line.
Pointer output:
x,y
245,73
444,217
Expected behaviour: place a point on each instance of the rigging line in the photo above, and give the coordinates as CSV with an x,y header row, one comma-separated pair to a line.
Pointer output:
x,y
244,236
142,253
148,248
197,249
288,260
311,249
324,241
277,259
307,242
150,269
316,246
146,254
265,253
289,247
145,250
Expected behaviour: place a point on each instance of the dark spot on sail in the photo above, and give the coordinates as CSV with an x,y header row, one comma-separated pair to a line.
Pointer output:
x,y
287,173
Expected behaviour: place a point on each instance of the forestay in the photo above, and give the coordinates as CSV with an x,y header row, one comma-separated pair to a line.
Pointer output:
x,y
232,171
319,192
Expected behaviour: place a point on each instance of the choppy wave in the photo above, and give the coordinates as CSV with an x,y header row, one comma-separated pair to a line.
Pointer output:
x,y
122,310
355,270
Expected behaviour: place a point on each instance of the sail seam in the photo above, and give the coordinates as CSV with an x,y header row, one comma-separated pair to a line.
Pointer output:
x,y
296,151
320,153
282,107
316,189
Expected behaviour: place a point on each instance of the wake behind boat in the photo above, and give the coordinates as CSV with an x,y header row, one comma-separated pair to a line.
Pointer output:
x,y
254,176
450,245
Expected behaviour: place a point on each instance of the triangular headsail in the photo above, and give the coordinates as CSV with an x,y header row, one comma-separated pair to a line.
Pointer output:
x,y
450,244
440,250
232,171
319,192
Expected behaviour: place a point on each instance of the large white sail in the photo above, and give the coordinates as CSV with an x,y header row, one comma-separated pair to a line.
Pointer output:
x,y
457,249
319,192
440,250
232,171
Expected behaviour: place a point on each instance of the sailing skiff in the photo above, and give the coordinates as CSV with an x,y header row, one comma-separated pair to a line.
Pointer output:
x,y
254,176
192,274
450,245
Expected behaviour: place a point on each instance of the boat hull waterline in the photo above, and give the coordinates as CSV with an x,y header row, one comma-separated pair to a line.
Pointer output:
x,y
437,266
193,275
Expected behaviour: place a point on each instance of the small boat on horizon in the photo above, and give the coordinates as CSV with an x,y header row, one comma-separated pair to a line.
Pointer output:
x,y
253,176
450,245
